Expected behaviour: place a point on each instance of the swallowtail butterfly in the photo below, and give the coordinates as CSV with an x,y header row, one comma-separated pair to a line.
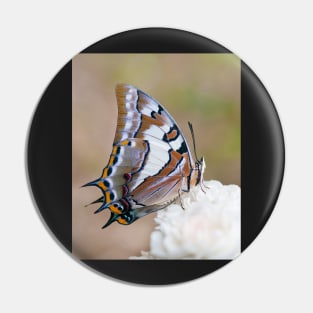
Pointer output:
x,y
150,163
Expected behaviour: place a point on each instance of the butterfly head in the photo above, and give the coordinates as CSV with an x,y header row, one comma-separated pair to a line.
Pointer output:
x,y
201,165
199,170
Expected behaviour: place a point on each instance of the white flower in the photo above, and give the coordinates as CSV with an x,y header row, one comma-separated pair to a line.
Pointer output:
x,y
207,228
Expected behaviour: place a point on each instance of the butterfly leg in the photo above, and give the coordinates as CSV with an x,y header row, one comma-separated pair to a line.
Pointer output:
x,y
203,186
180,199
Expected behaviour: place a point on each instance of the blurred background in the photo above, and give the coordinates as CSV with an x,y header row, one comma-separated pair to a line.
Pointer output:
x,y
201,88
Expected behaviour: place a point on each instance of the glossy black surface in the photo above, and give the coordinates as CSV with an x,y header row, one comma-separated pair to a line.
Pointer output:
x,y
50,156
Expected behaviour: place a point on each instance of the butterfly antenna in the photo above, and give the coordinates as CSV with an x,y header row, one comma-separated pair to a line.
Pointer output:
x,y
193,140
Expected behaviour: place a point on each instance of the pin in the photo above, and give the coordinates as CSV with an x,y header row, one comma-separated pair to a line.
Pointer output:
x,y
122,116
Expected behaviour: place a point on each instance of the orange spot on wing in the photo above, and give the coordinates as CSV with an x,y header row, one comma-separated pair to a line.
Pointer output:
x,y
114,150
115,209
107,197
186,170
122,220
124,143
102,185
111,160
105,173
172,134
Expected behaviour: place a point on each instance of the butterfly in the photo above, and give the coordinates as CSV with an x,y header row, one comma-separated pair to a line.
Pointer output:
x,y
150,164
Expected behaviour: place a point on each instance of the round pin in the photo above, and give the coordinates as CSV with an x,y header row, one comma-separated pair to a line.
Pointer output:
x,y
155,156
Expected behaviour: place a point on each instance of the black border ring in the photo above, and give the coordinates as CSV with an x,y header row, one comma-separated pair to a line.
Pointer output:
x,y
49,156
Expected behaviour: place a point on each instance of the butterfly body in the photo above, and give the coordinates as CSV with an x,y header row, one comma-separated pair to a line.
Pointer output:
x,y
150,163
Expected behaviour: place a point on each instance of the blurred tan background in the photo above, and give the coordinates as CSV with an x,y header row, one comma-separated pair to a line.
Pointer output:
x,y
201,88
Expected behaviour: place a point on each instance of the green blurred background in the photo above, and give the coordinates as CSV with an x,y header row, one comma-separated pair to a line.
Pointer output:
x,y
201,88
